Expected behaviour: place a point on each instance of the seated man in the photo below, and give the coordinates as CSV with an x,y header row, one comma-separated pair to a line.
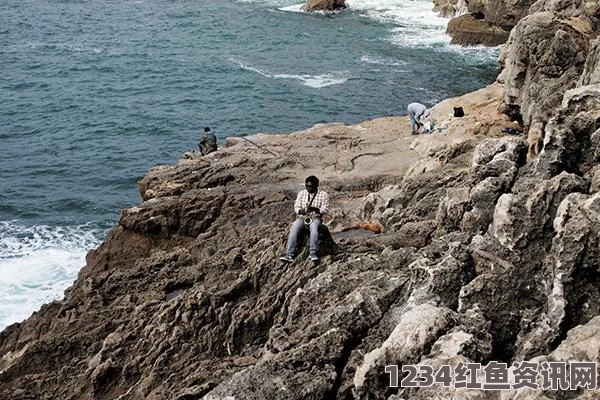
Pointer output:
x,y
310,206
208,142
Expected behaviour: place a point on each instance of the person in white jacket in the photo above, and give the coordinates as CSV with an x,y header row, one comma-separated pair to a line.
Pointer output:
x,y
417,113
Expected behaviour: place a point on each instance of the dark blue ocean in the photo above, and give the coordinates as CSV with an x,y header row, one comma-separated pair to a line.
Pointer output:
x,y
95,92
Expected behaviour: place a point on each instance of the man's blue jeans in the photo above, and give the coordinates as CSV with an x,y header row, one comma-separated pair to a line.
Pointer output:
x,y
297,233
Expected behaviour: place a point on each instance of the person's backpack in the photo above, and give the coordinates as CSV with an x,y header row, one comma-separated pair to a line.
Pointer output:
x,y
459,112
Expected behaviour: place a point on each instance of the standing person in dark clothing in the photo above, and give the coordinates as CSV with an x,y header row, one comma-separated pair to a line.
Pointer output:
x,y
208,142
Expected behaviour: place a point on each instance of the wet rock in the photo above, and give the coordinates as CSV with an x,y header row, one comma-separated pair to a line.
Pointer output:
x,y
449,8
470,31
324,5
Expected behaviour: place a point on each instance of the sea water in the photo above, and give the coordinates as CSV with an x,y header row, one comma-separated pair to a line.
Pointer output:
x,y
95,92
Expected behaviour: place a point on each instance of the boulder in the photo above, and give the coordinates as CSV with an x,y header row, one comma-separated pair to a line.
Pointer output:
x,y
324,5
486,22
470,31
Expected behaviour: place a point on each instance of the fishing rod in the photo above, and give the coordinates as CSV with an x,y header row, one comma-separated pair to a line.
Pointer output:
x,y
258,145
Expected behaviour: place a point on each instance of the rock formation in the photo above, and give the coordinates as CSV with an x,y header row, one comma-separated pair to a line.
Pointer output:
x,y
469,30
545,57
485,255
487,22
450,8
324,5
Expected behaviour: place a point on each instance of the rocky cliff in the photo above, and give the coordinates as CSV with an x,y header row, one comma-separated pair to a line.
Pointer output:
x,y
485,255
546,55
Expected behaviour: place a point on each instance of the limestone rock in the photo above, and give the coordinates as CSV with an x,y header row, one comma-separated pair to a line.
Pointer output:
x,y
580,345
570,140
591,69
420,325
575,252
544,57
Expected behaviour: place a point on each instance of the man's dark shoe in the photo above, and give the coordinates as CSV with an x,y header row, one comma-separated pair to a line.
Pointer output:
x,y
313,258
287,259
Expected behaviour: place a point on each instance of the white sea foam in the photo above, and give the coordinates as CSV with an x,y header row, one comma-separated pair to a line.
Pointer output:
x,y
413,22
279,4
389,62
37,264
314,81
293,8
61,47
477,54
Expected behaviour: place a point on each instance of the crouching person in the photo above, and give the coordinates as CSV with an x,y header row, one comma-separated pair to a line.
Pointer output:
x,y
310,207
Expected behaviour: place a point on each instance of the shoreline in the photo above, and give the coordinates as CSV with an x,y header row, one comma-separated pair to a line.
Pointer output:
x,y
487,254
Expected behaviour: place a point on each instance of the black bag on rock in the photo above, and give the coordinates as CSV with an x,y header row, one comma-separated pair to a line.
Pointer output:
x,y
459,112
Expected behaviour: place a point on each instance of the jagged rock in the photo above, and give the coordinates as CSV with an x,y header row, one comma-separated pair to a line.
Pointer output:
x,y
416,234
324,5
452,208
581,344
594,177
495,165
544,57
575,253
571,142
374,204
305,348
446,276
520,218
497,149
465,343
421,323
591,69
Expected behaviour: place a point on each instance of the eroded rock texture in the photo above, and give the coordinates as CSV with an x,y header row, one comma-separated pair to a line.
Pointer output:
x,y
485,255
545,56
